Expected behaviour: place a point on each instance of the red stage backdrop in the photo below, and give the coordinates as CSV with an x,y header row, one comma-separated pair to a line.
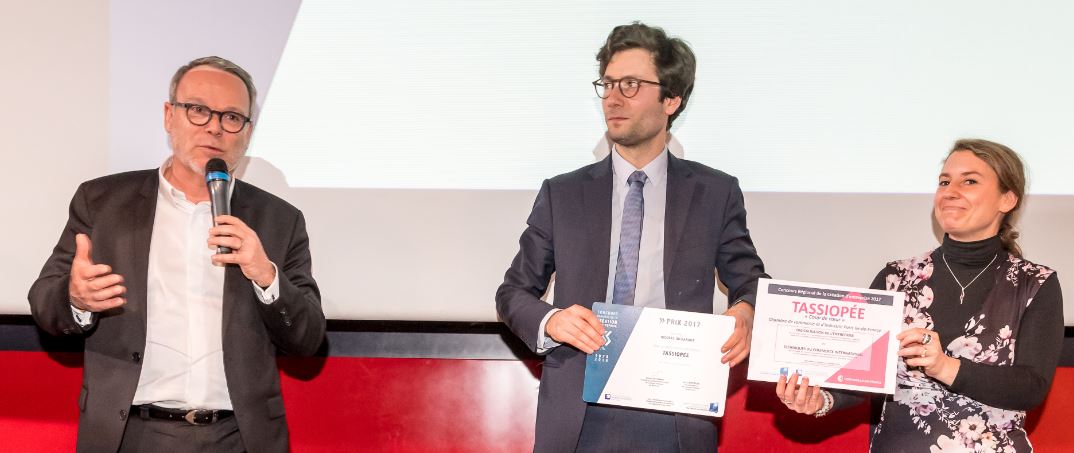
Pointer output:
x,y
343,404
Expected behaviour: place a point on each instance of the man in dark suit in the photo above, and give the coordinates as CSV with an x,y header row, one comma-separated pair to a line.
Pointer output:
x,y
640,227
181,342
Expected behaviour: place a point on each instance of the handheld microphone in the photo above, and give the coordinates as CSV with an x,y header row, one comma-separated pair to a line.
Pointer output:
x,y
217,180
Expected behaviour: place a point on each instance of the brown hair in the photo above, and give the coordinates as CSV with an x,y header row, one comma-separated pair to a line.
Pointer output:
x,y
675,62
1012,178
222,64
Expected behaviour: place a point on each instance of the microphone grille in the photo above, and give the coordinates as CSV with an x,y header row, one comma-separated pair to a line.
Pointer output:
x,y
216,169
216,164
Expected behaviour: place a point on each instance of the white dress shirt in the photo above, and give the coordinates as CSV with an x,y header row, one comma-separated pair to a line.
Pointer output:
x,y
649,290
183,363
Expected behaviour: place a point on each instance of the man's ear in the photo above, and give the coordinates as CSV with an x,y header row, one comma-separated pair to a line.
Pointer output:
x,y
671,105
169,110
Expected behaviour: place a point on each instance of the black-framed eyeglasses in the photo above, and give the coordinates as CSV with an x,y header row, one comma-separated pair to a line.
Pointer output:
x,y
628,86
200,115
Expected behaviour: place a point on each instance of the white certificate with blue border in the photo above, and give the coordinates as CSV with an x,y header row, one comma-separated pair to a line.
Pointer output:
x,y
659,359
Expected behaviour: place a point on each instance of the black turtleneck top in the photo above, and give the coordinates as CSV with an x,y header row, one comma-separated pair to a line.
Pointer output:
x,y
1022,386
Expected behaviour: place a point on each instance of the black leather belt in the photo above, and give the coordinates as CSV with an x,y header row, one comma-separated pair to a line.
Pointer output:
x,y
192,416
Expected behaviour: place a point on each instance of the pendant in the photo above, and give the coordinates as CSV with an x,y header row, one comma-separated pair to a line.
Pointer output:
x,y
961,296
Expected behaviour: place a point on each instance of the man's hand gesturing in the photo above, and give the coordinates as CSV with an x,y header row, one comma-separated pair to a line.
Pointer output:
x,y
93,287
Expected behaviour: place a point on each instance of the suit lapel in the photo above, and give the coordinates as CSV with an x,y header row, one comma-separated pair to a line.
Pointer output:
x,y
597,205
143,214
680,194
235,284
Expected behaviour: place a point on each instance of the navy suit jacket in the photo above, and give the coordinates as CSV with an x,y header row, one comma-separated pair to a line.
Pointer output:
x,y
117,212
569,232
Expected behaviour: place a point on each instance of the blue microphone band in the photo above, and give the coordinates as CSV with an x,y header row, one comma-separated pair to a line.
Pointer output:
x,y
217,176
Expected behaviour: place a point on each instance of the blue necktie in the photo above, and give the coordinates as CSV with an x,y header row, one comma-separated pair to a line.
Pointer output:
x,y
626,266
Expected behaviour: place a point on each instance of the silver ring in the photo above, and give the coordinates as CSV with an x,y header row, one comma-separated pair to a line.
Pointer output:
x,y
926,338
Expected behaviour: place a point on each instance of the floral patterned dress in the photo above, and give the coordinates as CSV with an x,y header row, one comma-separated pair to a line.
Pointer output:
x,y
924,415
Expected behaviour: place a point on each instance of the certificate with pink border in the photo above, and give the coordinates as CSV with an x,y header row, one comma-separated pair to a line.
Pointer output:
x,y
840,337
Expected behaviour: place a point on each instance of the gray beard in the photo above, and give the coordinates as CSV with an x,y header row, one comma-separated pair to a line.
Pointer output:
x,y
193,168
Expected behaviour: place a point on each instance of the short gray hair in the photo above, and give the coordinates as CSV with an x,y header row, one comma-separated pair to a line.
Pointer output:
x,y
222,64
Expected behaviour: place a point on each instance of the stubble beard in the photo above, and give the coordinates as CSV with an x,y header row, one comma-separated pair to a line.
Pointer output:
x,y
188,160
184,159
632,136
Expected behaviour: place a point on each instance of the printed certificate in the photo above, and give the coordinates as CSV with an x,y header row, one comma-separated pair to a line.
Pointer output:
x,y
659,359
837,336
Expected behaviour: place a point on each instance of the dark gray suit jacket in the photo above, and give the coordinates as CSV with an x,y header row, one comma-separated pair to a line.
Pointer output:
x,y
568,233
117,213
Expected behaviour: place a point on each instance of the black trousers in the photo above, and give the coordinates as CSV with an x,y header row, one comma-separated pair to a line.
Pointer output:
x,y
609,429
155,436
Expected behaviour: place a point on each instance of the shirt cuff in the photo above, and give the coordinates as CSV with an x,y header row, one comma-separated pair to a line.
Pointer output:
x,y
270,294
82,317
544,342
742,301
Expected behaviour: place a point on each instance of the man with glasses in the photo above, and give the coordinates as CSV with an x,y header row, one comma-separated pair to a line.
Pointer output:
x,y
180,341
641,227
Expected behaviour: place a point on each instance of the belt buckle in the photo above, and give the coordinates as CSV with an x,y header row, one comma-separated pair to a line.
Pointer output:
x,y
191,418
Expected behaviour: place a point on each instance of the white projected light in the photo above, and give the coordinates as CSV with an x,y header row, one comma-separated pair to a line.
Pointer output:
x,y
793,97
414,135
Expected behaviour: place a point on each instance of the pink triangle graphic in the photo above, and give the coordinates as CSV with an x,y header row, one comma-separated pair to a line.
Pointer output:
x,y
868,368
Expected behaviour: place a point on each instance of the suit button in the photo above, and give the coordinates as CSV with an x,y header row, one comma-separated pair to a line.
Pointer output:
x,y
287,322
122,414
66,331
136,357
